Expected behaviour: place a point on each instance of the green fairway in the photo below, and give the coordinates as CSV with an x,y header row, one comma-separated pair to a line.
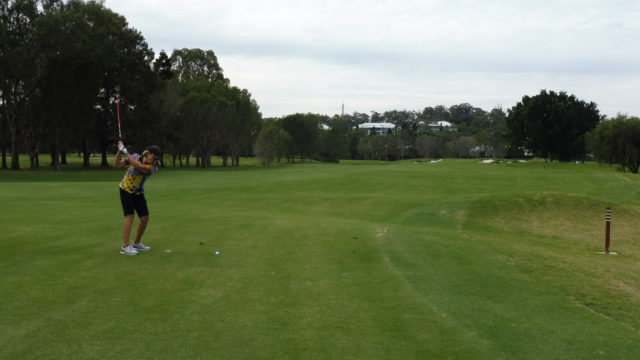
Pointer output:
x,y
359,260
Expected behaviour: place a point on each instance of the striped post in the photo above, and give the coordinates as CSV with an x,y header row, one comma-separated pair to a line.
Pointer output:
x,y
607,232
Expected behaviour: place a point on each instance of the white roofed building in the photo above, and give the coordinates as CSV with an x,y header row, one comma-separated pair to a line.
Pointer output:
x,y
438,126
378,128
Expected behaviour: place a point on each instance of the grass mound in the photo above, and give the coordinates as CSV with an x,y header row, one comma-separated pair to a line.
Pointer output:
x,y
555,237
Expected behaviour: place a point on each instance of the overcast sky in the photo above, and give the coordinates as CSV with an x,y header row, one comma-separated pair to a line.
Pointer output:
x,y
375,55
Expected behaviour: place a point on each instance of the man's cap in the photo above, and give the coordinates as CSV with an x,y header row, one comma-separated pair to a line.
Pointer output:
x,y
155,150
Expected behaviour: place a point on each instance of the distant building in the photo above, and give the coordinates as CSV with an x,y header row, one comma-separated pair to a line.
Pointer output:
x,y
378,128
436,126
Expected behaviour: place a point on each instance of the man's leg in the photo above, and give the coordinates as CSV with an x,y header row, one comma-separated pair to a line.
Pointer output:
x,y
144,220
126,231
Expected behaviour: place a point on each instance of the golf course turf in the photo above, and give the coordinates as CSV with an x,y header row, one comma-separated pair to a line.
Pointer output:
x,y
358,260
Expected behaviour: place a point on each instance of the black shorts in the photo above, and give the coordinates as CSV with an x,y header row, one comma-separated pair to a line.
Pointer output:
x,y
131,202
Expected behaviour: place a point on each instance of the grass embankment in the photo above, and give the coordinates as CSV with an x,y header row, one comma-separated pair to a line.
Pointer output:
x,y
403,260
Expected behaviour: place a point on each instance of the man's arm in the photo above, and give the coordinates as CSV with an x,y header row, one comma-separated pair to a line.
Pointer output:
x,y
118,162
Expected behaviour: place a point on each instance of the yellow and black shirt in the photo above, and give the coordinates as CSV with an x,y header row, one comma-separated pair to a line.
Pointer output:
x,y
133,180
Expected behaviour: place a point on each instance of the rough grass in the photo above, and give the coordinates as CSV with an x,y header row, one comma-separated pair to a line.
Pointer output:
x,y
388,260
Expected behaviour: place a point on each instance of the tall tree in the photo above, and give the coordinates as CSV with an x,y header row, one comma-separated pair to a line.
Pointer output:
x,y
617,141
20,57
433,114
271,144
332,144
196,64
93,59
204,111
430,146
69,90
399,118
462,146
126,67
3,136
552,125
163,66
303,129
241,126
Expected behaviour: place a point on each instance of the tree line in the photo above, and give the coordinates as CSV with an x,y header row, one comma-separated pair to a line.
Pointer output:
x,y
555,126
475,132
64,65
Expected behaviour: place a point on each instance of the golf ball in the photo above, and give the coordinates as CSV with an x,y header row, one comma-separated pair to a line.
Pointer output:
x,y
217,252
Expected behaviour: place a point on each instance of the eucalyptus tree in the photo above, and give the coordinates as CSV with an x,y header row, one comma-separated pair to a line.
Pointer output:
x,y
304,130
163,66
242,126
196,64
271,143
205,108
125,65
92,60
20,70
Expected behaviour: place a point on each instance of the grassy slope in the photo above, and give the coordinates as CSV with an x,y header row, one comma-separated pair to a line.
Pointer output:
x,y
404,260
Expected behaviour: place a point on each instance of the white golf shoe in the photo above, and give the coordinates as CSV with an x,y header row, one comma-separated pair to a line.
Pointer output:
x,y
128,250
140,247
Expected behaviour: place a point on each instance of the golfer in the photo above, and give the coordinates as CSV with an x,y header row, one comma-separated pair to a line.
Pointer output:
x,y
132,193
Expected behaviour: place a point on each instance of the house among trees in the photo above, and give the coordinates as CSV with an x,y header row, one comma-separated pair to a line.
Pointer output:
x,y
439,126
382,128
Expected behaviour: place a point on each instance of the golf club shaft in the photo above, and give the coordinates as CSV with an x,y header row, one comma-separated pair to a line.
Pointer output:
x,y
118,111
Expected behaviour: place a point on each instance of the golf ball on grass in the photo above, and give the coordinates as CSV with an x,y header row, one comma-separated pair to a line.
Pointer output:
x,y
217,252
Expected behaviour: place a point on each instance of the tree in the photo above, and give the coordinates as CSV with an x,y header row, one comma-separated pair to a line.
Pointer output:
x,y
271,144
65,64
354,140
365,147
204,110
332,144
342,123
20,56
159,119
196,64
552,125
128,76
462,146
493,139
429,146
163,66
242,126
431,114
404,139
3,137
399,118
92,60
469,120
360,118
376,117
617,141
303,129
378,147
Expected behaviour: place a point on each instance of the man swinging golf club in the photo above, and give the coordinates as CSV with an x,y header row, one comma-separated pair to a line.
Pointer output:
x,y
132,193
